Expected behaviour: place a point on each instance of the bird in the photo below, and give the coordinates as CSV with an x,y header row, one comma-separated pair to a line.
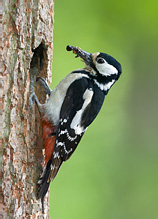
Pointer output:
x,y
71,107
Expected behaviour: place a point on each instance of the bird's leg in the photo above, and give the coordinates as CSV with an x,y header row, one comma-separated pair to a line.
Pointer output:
x,y
33,98
45,85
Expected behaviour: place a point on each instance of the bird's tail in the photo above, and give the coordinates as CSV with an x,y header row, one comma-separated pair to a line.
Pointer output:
x,y
50,171
44,183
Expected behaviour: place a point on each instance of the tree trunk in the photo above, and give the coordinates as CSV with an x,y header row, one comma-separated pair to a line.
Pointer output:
x,y
26,50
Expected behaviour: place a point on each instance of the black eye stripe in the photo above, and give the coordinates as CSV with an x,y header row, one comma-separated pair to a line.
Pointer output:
x,y
100,60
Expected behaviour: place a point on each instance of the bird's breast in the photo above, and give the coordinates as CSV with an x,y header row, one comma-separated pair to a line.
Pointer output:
x,y
56,99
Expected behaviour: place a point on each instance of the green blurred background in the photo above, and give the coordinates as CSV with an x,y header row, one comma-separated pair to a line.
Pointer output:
x,y
113,174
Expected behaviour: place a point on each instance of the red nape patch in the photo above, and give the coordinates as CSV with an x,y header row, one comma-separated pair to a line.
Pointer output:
x,y
49,141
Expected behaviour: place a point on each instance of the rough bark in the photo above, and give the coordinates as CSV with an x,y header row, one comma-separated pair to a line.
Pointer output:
x,y
26,49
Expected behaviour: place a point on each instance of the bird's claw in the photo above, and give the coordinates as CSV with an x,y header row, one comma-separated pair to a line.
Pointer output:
x,y
31,100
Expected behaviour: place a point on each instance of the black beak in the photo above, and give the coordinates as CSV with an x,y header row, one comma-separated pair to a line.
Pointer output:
x,y
87,57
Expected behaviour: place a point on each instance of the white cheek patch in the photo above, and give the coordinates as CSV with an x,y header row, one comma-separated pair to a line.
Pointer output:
x,y
106,69
76,122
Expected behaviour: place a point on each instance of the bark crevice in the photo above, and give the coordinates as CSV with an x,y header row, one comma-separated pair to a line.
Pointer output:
x,y
26,51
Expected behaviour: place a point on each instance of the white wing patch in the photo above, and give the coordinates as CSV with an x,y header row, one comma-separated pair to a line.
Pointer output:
x,y
76,122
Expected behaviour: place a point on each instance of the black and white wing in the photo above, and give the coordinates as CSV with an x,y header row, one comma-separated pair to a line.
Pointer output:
x,y
80,107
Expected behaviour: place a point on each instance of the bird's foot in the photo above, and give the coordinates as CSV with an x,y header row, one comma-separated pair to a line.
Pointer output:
x,y
32,99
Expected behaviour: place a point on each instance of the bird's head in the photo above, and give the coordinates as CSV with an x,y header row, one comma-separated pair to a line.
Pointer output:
x,y
98,63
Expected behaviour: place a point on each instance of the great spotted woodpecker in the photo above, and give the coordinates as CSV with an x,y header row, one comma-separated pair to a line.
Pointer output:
x,y
71,108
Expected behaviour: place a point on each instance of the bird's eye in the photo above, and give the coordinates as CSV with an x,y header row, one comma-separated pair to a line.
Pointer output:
x,y
100,61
